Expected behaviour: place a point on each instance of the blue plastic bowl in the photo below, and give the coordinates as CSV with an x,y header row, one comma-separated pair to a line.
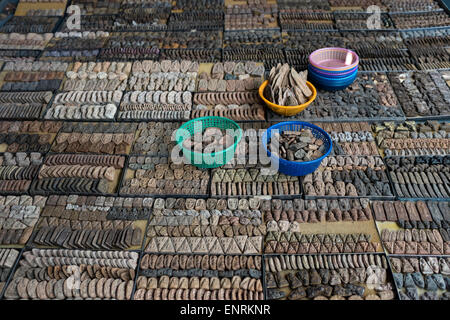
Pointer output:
x,y
293,168
331,76
333,72
330,84
331,80
328,81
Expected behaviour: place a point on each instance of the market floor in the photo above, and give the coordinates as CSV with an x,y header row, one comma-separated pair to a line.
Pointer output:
x,y
91,190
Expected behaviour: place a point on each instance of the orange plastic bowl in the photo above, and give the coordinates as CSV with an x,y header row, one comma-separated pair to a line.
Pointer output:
x,y
287,110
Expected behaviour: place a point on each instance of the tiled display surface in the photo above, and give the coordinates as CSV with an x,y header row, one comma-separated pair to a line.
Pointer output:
x,y
88,185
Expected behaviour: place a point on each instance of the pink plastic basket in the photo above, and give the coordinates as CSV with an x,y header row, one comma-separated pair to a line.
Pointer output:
x,y
333,59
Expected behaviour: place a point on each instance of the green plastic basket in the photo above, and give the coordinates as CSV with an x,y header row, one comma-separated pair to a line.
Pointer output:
x,y
198,125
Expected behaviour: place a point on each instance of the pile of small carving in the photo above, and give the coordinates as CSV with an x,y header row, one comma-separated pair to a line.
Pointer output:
x,y
299,145
211,140
287,87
